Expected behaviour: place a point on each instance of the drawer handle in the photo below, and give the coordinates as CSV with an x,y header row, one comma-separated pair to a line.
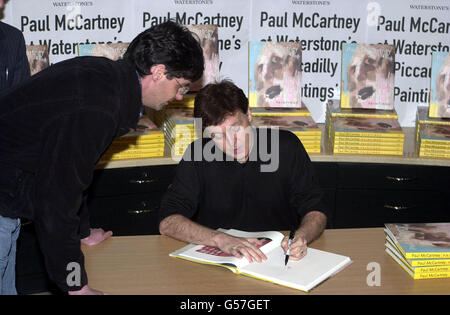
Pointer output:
x,y
398,207
142,181
400,179
140,211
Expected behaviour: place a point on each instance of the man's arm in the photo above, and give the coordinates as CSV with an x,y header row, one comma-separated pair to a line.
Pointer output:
x,y
184,229
311,227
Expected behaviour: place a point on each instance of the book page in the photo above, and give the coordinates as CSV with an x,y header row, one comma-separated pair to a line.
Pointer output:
x,y
208,254
303,275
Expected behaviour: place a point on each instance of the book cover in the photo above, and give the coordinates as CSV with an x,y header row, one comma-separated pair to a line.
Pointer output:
x,y
334,109
280,111
435,133
440,81
38,57
209,41
292,123
275,75
418,272
367,126
418,262
113,51
367,76
421,240
303,275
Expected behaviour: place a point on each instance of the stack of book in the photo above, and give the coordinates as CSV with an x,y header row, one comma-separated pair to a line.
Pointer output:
x,y
363,131
434,141
178,128
421,249
296,120
140,143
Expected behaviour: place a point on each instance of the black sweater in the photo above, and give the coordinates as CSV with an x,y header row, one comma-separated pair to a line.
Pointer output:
x,y
54,127
228,194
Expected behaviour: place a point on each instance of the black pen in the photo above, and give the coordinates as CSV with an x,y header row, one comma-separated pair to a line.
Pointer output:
x,y
291,237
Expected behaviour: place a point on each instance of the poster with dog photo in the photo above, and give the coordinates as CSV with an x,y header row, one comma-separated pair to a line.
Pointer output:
x,y
367,76
38,58
275,75
209,40
440,85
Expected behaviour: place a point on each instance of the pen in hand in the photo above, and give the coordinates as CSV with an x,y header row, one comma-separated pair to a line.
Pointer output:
x,y
291,237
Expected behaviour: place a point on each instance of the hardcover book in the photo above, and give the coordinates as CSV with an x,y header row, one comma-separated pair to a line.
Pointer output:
x,y
303,275
280,111
275,75
367,127
367,76
292,123
421,240
440,82
209,41
38,57
417,272
113,51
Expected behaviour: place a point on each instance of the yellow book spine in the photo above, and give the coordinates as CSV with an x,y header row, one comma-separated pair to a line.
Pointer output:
x,y
435,142
374,115
369,134
431,275
301,114
434,269
369,152
425,263
426,255
253,99
345,100
433,110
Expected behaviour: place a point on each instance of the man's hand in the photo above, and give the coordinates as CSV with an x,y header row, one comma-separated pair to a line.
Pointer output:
x,y
240,247
86,291
97,236
298,246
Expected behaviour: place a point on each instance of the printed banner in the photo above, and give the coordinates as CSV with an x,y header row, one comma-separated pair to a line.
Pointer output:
x,y
415,27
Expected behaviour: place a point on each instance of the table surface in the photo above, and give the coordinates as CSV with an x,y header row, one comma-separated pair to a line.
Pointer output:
x,y
141,265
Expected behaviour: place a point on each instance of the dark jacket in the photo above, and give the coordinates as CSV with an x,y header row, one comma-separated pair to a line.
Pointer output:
x,y
14,66
54,128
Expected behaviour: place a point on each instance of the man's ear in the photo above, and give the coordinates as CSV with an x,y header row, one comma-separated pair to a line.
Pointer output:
x,y
157,72
249,114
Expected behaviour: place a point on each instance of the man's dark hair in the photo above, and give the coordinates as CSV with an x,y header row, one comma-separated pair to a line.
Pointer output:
x,y
169,44
215,101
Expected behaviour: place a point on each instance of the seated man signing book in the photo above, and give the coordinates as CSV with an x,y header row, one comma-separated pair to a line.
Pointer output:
x,y
241,177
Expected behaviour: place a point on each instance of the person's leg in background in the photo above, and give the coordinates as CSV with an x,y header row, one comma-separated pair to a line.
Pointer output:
x,y
9,232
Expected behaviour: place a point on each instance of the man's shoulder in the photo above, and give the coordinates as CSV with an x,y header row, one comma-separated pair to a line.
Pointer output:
x,y
9,32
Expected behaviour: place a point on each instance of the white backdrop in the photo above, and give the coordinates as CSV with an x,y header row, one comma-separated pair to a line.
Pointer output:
x,y
415,27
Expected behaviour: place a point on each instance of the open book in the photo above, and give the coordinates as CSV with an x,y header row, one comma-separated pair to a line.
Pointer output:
x,y
303,275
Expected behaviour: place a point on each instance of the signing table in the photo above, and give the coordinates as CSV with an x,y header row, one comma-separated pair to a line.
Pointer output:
x,y
141,265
